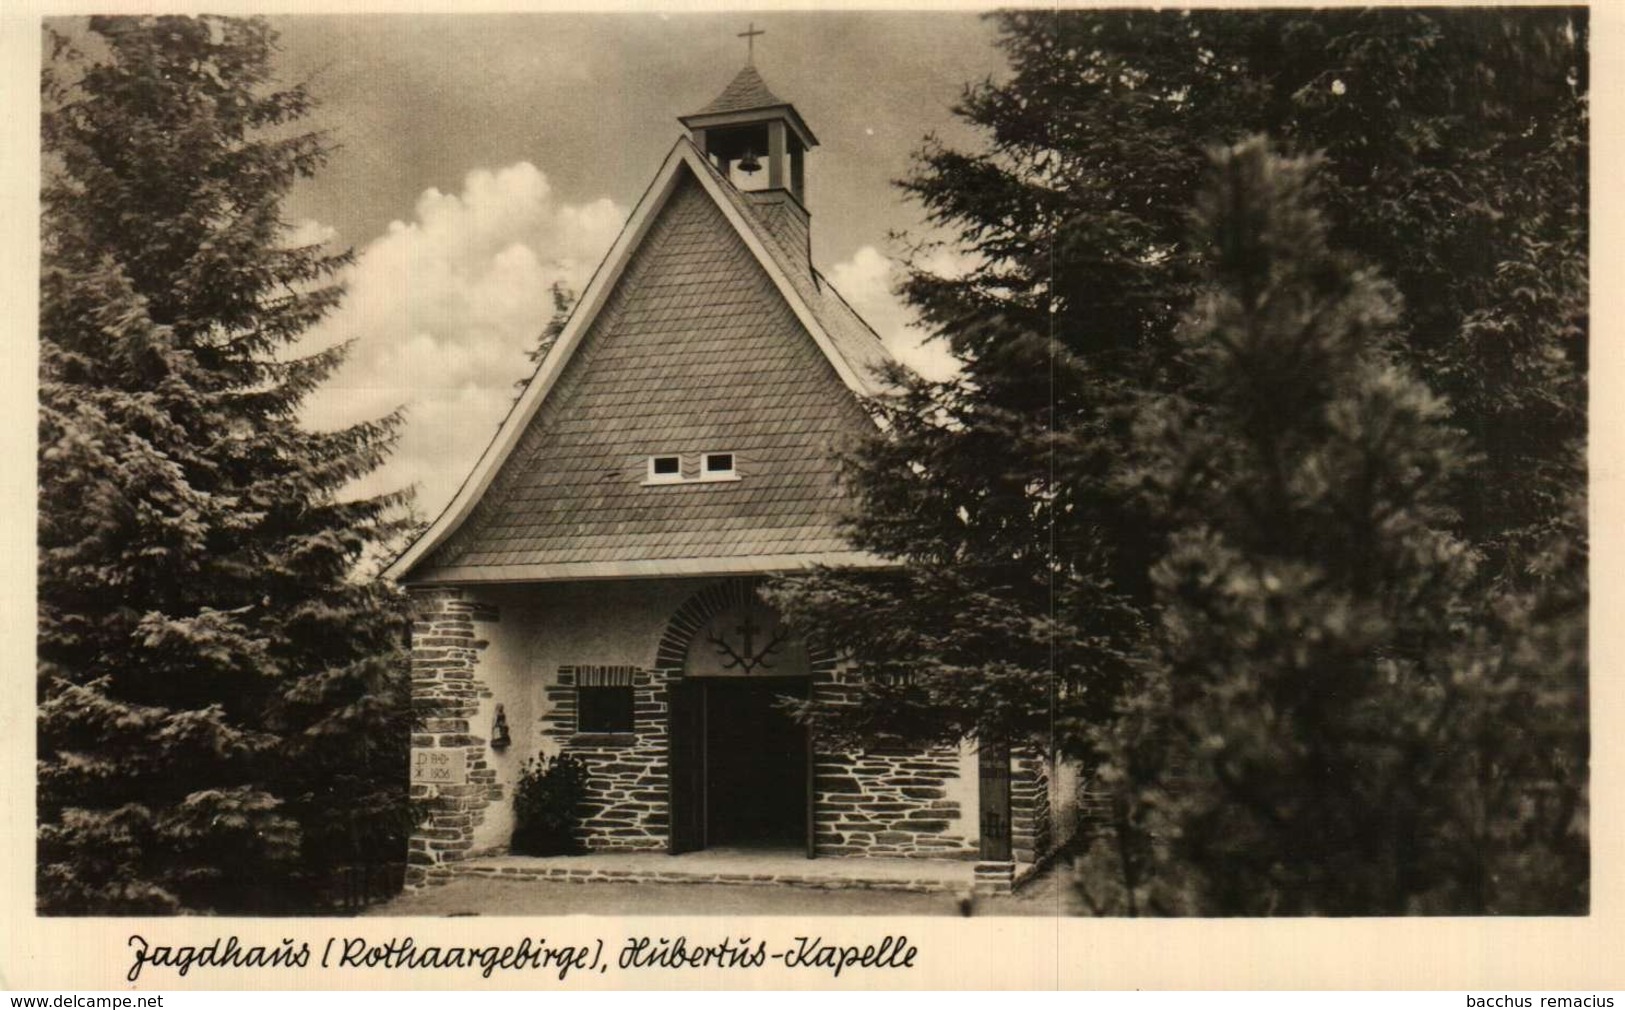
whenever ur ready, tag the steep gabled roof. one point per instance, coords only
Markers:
(543, 530)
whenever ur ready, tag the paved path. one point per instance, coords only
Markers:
(1047, 896)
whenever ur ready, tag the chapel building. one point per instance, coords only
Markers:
(592, 588)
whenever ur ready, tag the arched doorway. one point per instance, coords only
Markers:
(739, 765)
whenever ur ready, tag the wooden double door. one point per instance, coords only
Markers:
(740, 767)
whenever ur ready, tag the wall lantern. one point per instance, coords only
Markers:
(499, 731)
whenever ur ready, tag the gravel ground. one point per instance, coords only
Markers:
(1046, 896)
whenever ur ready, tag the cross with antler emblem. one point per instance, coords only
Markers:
(749, 660)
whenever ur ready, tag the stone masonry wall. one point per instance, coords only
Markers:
(874, 803)
(627, 794)
(1030, 828)
(446, 693)
(887, 803)
(883, 802)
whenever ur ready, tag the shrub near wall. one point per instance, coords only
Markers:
(547, 806)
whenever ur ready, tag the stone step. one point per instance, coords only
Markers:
(953, 879)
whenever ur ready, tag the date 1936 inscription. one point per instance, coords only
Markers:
(434, 766)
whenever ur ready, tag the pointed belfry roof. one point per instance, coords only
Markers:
(702, 330)
(746, 91)
(748, 99)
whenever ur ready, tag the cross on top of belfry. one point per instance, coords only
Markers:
(749, 35)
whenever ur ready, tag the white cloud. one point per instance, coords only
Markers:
(441, 311)
(867, 281)
(307, 232)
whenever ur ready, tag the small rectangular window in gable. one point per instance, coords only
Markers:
(718, 466)
(664, 469)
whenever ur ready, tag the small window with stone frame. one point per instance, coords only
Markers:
(604, 701)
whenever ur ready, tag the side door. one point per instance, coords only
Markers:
(993, 798)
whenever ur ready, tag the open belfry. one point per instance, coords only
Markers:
(592, 590)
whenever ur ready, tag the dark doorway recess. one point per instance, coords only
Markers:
(739, 765)
(757, 767)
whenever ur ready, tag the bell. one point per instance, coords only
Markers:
(749, 164)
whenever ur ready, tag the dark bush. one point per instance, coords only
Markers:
(546, 805)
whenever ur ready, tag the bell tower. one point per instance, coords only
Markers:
(749, 128)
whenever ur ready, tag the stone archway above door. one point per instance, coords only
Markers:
(728, 630)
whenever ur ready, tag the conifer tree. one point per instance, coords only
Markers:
(1454, 165)
(220, 701)
(563, 301)
(1004, 623)
(1455, 162)
(1336, 723)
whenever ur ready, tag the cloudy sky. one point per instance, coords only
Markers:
(483, 157)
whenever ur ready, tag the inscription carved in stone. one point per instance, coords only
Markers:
(439, 766)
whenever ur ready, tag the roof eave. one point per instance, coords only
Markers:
(588, 571)
(739, 117)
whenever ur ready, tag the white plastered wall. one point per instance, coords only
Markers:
(543, 627)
